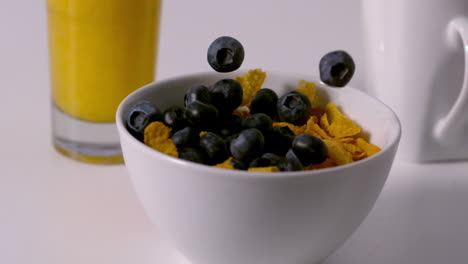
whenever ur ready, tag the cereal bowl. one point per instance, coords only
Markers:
(213, 215)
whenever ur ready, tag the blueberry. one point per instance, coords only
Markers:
(215, 147)
(248, 145)
(259, 121)
(264, 101)
(226, 95)
(336, 68)
(197, 93)
(141, 115)
(225, 54)
(274, 159)
(290, 162)
(202, 116)
(229, 125)
(174, 117)
(186, 137)
(260, 162)
(309, 149)
(240, 165)
(193, 154)
(279, 140)
(230, 138)
(294, 108)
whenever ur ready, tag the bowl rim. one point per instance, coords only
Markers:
(206, 169)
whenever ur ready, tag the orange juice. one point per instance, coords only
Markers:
(100, 51)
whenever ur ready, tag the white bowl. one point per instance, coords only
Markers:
(215, 216)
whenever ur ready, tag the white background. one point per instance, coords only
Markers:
(55, 210)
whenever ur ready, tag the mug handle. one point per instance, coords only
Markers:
(449, 129)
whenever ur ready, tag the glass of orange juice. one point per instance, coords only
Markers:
(100, 51)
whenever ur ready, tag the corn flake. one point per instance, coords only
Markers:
(317, 112)
(369, 148)
(168, 147)
(242, 111)
(226, 164)
(337, 152)
(156, 135)
(314, 129)
(155, 132)
(308, 89)
(328, 163)
(356, 151)
(348, 140)
(339, 125)
(324, 122)
(297, 130)
(312, 120)
(265, 169)
(251, 82)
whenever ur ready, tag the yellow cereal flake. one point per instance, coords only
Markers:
(242, 111)
(202, 133)
(369, 148)
(348, 140)
(337, 152)
(225, 165)
(328, 163)
(360, 156)
(265, 169)
(251, 82)
(308, 89)
(312, 120)
(314, 129)
(356, 151)
(339, 125)
(168, 147)
(297, 130)
(317, 112)
(324, 122)
(155, 132)
(156, 135)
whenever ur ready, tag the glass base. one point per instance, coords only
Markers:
(91, 142)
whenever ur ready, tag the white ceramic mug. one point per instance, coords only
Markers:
(416, 54)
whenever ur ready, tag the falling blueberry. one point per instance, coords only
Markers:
(225, 54)
(336, 68)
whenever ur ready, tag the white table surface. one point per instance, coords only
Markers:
(55, 210)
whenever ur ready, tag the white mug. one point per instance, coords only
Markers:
(416, 54)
